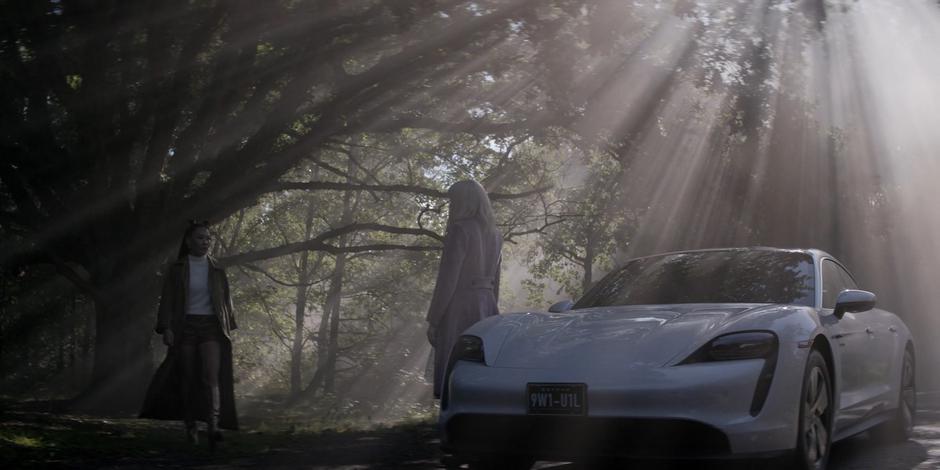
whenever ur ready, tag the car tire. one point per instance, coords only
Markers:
(814, 429)
(451, 461)
(901, 426)
(501, 462)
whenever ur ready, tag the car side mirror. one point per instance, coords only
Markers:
(561, 307)
(854, 301)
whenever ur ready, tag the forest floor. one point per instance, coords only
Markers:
(36, 435)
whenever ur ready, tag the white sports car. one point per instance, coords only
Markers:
(725, 353)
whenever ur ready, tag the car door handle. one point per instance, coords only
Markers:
(869, 331)
(893, 329)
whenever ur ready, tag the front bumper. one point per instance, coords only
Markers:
(689, 411)
(566, 437)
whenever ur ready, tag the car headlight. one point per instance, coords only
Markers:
(468, 348)
(743, 345)
(736, 346)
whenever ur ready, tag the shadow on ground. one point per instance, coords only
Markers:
(44, 435)
(41, 436)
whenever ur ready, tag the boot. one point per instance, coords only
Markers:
(192, 433)
(214, 435)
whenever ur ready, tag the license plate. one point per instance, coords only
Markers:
(556, 399)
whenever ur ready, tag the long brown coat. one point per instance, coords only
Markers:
(466, 289)
(164, 400)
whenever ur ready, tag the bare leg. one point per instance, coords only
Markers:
(211, 353)
(187, 362)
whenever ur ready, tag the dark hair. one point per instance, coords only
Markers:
(193, 225)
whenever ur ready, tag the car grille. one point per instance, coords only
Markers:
(578, 436)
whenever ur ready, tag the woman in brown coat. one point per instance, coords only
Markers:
(196, 319)
(468, 279)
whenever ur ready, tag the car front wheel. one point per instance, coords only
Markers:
(814, 437)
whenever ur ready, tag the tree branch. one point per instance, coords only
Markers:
(270, 276)
(319, 243)
(399, 188)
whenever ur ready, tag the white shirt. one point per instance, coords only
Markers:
(199, 300)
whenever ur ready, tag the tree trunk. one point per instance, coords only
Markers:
(334, 299)
(334, 302)
(3, 319)
(327, 336)
(328, 332)
(303, 279)
(589, 255)
(87, 332)
(124, 319)
(74, 373)
(323, 346)
(300, 308)
(60, 346)
(73, 331)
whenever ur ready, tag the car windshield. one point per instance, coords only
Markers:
(721, 276)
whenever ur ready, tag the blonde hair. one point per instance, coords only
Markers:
(468, 200)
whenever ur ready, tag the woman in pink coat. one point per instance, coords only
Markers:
(468, 279)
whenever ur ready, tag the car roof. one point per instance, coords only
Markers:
(815, 253)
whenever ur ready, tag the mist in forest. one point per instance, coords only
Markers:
(787, 124)
(830, 143)
(603, 131)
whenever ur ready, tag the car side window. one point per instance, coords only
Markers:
(832, 283)
(847, 278)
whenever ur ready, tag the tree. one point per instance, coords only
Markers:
(127, 118)
(124, 119)
(594, 224)
(333, 312)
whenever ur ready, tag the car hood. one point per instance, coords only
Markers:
(615, 337)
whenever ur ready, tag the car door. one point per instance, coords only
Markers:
(874, 367)
(850, 339)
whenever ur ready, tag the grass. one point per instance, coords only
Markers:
(21, 441)
(43, 439)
